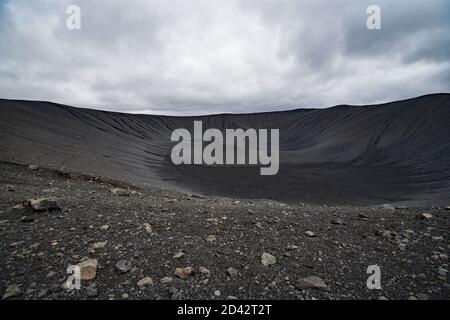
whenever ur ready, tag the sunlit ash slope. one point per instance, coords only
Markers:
(397, 152)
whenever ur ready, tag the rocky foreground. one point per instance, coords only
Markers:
(147, 243)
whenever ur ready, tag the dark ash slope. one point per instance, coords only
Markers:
(397, 152)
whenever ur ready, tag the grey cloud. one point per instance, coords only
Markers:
(213, 56)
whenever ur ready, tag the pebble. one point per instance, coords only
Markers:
(88, 269)
(387, 206)
(124, 266)
(166, 280)
(424, 216)
(119, 192)
(44, 204)
(148, 228)
(145, 281)
(204, 271)
(12, 291)
(442, 272)
(42, 293)
(311, 282)
(183, 273)
(179, 255)
(232, 272)
(99, 245)
(26, 219)
(92, 292)
(267, 259)
(310, 234)
(337, 221)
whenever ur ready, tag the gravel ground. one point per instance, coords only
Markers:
(224, 241)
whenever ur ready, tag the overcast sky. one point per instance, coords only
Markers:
(212, 56)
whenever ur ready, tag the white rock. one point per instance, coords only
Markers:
(183, 273)
(310, 233)
(267, 259)
(145, 281)
(119, 192)
(166, 280)
(179, 255)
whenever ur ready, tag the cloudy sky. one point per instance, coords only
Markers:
(212, 56)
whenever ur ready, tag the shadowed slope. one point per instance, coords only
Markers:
(395, 152)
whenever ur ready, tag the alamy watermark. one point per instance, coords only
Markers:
(374, 20)
(374, 280)
(73, 21)
(249, 147)
(74, 279)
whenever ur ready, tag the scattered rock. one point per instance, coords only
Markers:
(104, 227)
(166, 280)
(148, 228)
(442, 272)
(27, 219)
(424, 216)
(183, 273)
(422, 296)
(310, 234)
(217, 293)
(311, 282)
(337, 221)
(99, 245)
(51, 274)
(88, 269)
(20, 209)
(232, 272)
(363, 216)
(179, 255)
(211, 238)
(33, 167)
(175, 293)
(382, 298)
(204, 271)
(10, 188)
(119, 192)
(145, 282)
(44, 204)
(123, 266)
(267, 259)
(42, 293)
(291, 247)
(12, 291)
(91, 291)
(387, 206)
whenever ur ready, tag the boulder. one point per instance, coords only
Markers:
(88, 269)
